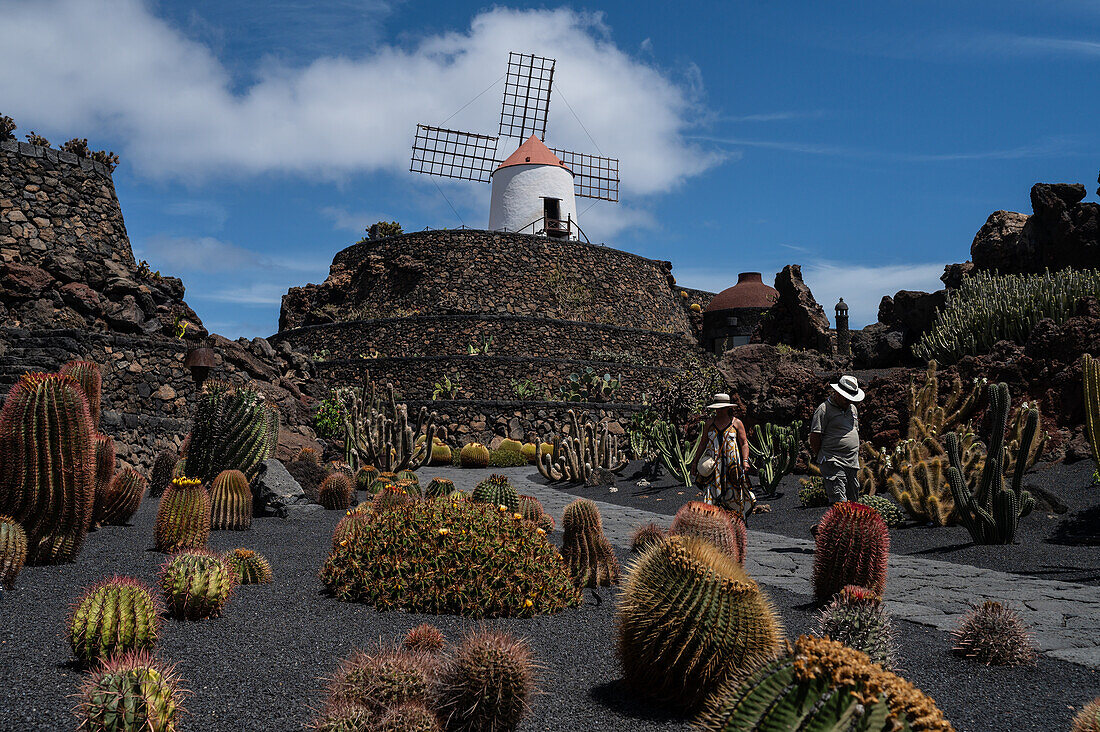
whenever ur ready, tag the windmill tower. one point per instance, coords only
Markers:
(535, 189)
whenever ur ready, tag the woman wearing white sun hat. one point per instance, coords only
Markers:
(834, 439)
(722, 464)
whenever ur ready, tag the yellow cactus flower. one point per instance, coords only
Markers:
(528, 603)
(517, 516)
(444, 531)
(502, 507)
(540, 531)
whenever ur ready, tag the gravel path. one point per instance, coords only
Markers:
(259, 667)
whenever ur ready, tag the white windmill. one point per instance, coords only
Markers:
(534, 190)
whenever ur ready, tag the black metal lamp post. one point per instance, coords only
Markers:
(199, 362)
(843, 335)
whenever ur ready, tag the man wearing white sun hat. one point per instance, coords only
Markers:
(834, 439)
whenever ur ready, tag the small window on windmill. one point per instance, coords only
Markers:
(731, 320)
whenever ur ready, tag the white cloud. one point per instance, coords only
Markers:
(255, 293)
(345, 220)
(203, 254)
(114, 68)
(861, 286)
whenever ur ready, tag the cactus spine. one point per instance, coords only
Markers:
(196, 584)
(853, 545)
(114, 616)
(585, 549)
(1088, 719)
(233, 429)
(645, 536)
(183, 517)
(131, 693)
(47, 478)
(689, 617)
(122, 497)
(724, 529)
(231, 502)
(992, 511)
(774, 452)
(994, 635)
(13, 551)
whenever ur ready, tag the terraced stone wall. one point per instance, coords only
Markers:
(483, 421)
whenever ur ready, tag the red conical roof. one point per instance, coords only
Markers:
(749, 292)
(532, 152)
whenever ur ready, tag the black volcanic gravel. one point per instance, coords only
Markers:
(259, 667)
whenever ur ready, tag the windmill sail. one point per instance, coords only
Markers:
(453, 154)
(594, 176)
(526, 95)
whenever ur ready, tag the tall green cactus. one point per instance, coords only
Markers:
(104, 448)
(233, 429)
(183, 517)
(992, 511)
(231, 502)
(47, 475)
(1090, 374)
(774, 451)
(677, 455)
(379, 432)
(114, 616)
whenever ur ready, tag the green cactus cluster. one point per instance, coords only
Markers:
(853, 546)
(857, 618)
(994, 635)
(496, 490)
(725, 529)
(574, 456)
(196, 584)
(586, 551)
(891, 515)
(820, 684)
(987, 308)
(164, 469)
(811, 492)
(774, 451)
(443, 557)
(183, 517)
(122, 497)
(230, 502)
(690, 616)
(233, 429)
(439, 488)
(336, 492)
(131, 693)
(646, 535)
(252, 568)
(991, 510)
(677, 454)
(486, 683)
(13, 551)
(47, 474)
(115, 616)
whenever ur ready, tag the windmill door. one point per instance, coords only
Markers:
(552, 223)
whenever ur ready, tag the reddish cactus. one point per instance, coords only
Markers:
(122, 498)
(336, 492)
(183, 517)
(47, 475)
(87, 374)
(644, 536)
(13, 551)
(231, 502)
(853, 545)
(160, 477)
(104, 448)
(425, 638)
(487, 682)
(723, 529)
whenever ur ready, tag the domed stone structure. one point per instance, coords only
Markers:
(732, 315)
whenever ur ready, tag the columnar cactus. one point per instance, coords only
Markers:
(252, 568)
(104, 448)
(183, 517)
(474, 455)
(774, 452)
(822, 685)
(856, 618)
(13, 551)
(87, 374)
(994, 635)
(131, 693)
(47, 475)
(689, 617)
(164, 469)
(336, 492)
(122, 498)
(439, 488)
(574, 456)
(497, 490)
(486, 684)
(992, 511)
(196, 584)
(379, 432)
(230, 502)
(724, 529)
(585, 549)
(114, 616)
(1090, 375)
(233, 429)
(646, 535)
(853, 545)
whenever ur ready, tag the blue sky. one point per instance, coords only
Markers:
(867, 142)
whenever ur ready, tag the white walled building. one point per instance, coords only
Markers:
(532, 192)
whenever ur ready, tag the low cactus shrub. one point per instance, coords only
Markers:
(645, 536)
(486, 684)
(474, 455)
(183, 517)
(381, 680)
(856, 618)
(196, 584)
(585, 549)
(723, 529)
(251, 567)
(416, 558)
(115, 616)
(122, 497)
(164, 469)
(994, 635)
(13, 551)
(502, 458)
(424, 638)
(496, 490)
(853, 545)
(365, 478)
(811, 492)
(231, 502)
(891, 515)
(689, 616)
(439, 488)
(823, 685)
(308, 453)
(1088, 719)
(131, 693)
(531, 509)
(336, 492)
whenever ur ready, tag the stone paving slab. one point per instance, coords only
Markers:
(1064, 617)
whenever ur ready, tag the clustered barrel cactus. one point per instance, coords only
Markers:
(88, 375)
(585, 549)
(439, 488)
(234, 429)
(531, 509)
(365, 478)
(131, 693)
(646, 535)
(115, 616)
(196, 584)
(486, 683)
(853, 545)
(13, 551)
(183, 517)
(724, 529)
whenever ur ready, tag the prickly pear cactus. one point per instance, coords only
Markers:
(231, 502)
(131, 693)
(114, 616)
(183, 517)
(196, 584)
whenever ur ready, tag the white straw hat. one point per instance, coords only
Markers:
(848, 388)
(720, 401)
